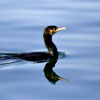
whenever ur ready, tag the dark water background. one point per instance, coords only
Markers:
(21, 29)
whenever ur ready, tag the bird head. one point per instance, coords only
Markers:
(53, 29)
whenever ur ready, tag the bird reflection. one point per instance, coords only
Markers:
(49, 73)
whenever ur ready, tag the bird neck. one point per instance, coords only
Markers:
(50, 45)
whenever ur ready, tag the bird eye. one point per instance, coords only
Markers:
(54, 28)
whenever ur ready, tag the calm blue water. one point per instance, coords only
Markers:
(21, 30)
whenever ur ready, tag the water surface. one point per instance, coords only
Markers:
(21, 30)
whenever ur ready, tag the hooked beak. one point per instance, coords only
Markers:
(59, 29)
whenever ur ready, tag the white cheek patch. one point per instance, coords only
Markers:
(50, 32)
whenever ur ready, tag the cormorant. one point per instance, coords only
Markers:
(40, 56)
